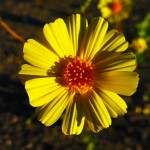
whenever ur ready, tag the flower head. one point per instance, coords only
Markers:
(115, 10)
(140, 45)
(82, 70)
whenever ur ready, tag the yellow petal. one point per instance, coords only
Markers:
(42, 90)
(38, 55)
(32, 70)
(120, 82)
(73, 121)
(114, 103)
(123, 62)
(112, 44)
(94, 127)
(76, 27)
(57, 35)
(49, 113)
(111, 111)
(95, 111)
(113, 41)
(94, 37)
(29, 72)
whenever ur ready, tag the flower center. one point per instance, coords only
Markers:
(116, 7)
(78, 75)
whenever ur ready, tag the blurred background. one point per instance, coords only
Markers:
(19, 128)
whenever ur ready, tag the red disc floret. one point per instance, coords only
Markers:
(117, 7)
(78, 75)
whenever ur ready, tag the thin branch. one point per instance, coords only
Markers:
(12, 32)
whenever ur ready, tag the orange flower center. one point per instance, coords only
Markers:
(78, 75)
(116, 7)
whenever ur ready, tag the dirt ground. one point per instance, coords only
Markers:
(19, 128)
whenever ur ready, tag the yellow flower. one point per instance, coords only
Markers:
(139, 44)
(81, 70)
(115, 10)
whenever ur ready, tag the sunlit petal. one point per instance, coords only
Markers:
(114, 103)
(94, 37)
(113, 41)
(76, 26)
(113, 44)
(73, 121)
(49, 113)
(42, 90)
(38, 55)
(32, 70)
(95, 111)
(120, 82)
(123, 62)
(57, 35)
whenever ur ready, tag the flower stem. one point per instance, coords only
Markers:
(11, 31)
